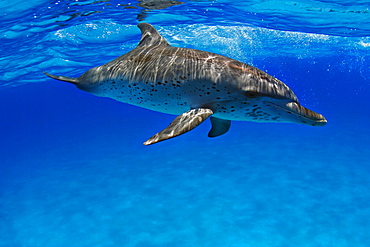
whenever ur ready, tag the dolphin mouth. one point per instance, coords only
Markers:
(313, 118)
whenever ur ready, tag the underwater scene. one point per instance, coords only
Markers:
(73, 168)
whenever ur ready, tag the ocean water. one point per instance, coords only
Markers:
(74, 172)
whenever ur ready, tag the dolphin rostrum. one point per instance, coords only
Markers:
(195, 85)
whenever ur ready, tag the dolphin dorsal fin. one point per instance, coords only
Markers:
(150, 36)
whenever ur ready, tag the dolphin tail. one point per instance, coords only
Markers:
(63, 78)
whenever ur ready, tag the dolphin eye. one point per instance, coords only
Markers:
(250, 94)
(253, 94)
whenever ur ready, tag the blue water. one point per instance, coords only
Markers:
(74, 172)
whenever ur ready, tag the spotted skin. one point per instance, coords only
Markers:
(176, 80)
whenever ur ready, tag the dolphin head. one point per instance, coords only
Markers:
(276, 99)
(280, 107)
(293, 112)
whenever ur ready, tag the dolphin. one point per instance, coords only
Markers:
(194, 85)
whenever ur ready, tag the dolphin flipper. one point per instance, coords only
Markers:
(219, 127)
(182, 124)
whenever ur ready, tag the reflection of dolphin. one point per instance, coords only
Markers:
(195, 84)
(157, 4)
(149, 5)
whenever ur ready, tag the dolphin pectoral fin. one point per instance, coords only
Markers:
(182, 124)
(219, 127)
(63, 78)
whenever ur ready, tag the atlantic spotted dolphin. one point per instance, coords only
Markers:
(195, 85)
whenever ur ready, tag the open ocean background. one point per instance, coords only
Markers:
(74, 172)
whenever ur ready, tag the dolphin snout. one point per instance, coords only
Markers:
(313, 118)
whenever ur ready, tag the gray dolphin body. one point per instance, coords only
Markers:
(195, 85)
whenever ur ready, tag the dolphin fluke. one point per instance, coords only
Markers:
(182, 124)
(63, 78)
